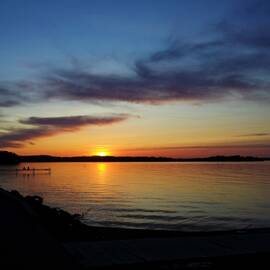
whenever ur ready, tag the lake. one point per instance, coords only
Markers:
(173, 196)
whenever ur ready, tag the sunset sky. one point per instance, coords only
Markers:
(164, 78)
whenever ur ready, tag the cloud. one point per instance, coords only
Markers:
(73, 122)
(8, 98)
(248, 145)
(262, 134)
(149, 86)
(38, 127)
(232, 62)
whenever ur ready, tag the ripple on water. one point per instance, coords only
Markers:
(172, 196)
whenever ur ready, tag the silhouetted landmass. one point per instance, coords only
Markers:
(45, 158)
(225, 158)
(11, 158)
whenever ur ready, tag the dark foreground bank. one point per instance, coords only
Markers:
(114, 248)
(69, 227)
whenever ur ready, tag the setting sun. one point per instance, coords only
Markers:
(102, 153)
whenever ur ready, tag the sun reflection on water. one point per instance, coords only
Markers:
(102, 169)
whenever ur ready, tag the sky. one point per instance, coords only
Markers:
(158, 78)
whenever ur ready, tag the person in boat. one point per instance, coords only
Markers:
(28, 168)
(24, 169)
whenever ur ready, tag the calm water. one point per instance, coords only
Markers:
(176, 196)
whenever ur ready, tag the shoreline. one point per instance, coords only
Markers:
(74, 245)
(70, 227)
(13, 159)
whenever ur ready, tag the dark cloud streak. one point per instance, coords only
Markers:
(218, 146)
(9, 98)
(262, 134)
(49, 126)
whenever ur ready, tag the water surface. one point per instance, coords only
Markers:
(174, 196)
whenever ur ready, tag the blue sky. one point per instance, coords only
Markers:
(135, 68)
(54, 32)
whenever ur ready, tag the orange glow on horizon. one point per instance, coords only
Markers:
(181, 153)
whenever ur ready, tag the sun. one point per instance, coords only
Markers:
(102, 154)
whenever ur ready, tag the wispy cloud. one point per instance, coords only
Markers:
(262, 134)
(217, 146)
(38, 127)
(9, 98)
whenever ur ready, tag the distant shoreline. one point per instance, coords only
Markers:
(12, 158)
(138, 159)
